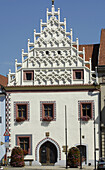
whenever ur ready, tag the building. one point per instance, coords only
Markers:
(3, 82)
(101, 75)
(54, 75)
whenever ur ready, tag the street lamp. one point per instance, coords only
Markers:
(80, 145)
(94, 144)
(66, 134)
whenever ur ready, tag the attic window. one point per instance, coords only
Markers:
(59, 52)
(28, 75)
(78, 74)
(47, 52)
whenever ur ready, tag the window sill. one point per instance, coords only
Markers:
(85, 118)
(25, 152)
(20, 119)
(47, 119)
(78, 79)
(28, 80)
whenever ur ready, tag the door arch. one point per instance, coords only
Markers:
(37, 149)
(48, 154)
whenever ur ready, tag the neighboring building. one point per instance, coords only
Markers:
(53, 74)
(3, 82)
(101, 74)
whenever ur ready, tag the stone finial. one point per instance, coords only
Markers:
(52, 2)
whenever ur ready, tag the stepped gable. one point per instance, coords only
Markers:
(53, 57)
(3, 80)
(102, 49)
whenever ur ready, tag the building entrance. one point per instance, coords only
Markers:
(48, 153)
(84, 155)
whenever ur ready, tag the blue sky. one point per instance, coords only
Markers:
(19, 18)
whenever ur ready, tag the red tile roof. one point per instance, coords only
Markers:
(3, 80)
(91, 51)
(102, 48)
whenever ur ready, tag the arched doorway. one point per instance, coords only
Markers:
(48, 154)
(84, 154)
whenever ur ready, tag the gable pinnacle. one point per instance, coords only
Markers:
(52, 2)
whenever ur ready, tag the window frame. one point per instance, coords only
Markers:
(16, 111)
(80, 110)
(30, 72)
(77, 71)
(30, 142)
(43, 111)
(42, 114)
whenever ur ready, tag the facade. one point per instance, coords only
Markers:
(54, 73)
(101, 73)
(3, 81)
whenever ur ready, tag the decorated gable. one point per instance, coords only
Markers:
(53, 58)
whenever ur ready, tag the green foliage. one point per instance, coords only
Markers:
(73, 157)
(17, 157)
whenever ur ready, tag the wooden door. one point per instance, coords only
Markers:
(83, 149)
(48, 154)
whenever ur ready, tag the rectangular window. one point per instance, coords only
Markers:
(48, 112)
(25, 142)
(86, 111)
(78, 74)
(0, 119)
(28, 75)
(21, 112)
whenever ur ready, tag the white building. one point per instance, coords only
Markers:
(3, 81)
(53, 73)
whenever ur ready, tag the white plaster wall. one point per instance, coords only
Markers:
(56, 128)
(2, 125)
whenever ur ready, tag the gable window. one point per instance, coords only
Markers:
(47, 52)
(86, 110)
(78, 74)
(48, 110)
(0, 119)
(21, 112)
(59, 52)
(28, 75)
(25, 143)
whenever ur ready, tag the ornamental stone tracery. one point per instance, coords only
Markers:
(43, 55)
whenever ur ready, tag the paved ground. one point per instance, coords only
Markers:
(46, 167)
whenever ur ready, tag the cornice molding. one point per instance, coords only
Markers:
(53, 88)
